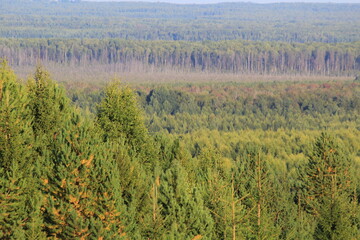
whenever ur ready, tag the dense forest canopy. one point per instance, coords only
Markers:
(288, 22)
(263, 161)
(242, 120)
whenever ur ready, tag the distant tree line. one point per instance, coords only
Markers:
(224, 56)
(288, 22)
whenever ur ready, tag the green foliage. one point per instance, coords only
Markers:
(120, 117)
(290, 22)
(183, 210)
(123, 129)
(328, 192)
(255, 186)
(20, 212)
(48, 103)
(83, 196)
(20, 216)
(235, 162)
(16, 134)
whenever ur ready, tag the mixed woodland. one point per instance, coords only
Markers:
(190, 162)
(195, 159)
(238, 57)
(287, 22)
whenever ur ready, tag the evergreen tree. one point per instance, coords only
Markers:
(327, 188)
(121, 123)
(183, 209)
(253, 180)
(119, 116)
(16, 137)
(19, 196)
(154, 227)
(83, 196)
(48, 104)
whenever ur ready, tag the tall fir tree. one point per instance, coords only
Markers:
(253, 180)
(19, 197)
(48, 103)
(121, 123)
(83, 198)
(80, 189)
(119, 116)
(328, 195)
(183, 209)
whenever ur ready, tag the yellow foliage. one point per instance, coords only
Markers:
(56, 212)
(45, 181)
(157, 181)
(197, 237)
(85, 236)
(87, 162)
(63, 183)
(75, 172)
(83, 194)
(227, 163)
(73, 200)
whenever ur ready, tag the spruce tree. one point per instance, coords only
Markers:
(16, 136)
(83, 199)
(255, 184)
(327, 191)
(122, 126)
(19, 196)
(48, 104)
(76, 174)
(183, 209)
(119, 116)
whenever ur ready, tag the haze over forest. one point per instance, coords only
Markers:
(158, 121)
(219, 1)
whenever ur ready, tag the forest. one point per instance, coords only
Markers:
(236, 57)
(222, 161)
(128, 120)
(286, 22)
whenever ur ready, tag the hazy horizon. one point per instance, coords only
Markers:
(220, 1)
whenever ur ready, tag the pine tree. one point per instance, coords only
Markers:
(48, 104)
(119, 116)
(83, 198)
(121, 123)
(19, 201)
(327, 190)
(183, 209)
(153, 221)
(221, 196)
(75, 172)
(253, 180)
(16, 136)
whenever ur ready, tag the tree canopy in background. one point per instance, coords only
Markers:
(287, 22)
